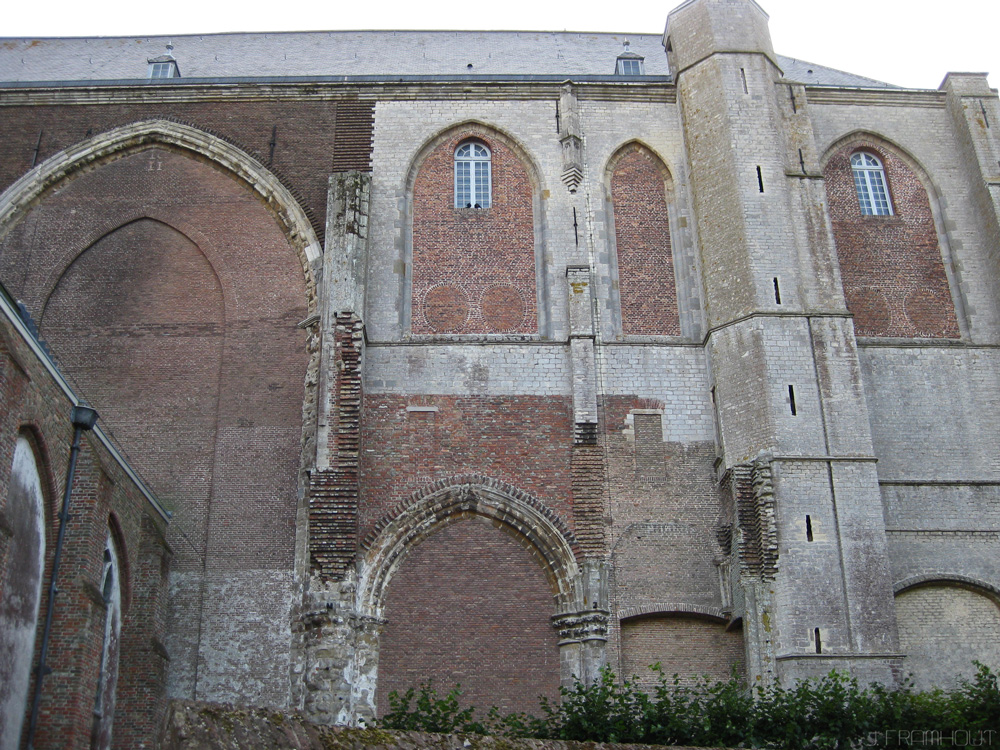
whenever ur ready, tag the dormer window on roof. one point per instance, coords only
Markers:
(164, 66)
(629, 63)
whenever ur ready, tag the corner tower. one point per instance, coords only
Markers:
(809, 565)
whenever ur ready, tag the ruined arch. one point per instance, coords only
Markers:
(18, 199)
(461, 578)
(639, 189)
(518, 514)
(468, 270)
(897, 270)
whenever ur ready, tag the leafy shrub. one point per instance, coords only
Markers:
(830, 713)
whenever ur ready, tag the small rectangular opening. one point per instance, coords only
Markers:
(819, 642)
(809, 529)
(760, 180)
(791, 399)
(743, 75)
(777, 292)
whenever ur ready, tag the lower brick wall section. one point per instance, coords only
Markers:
(686, 646)
(471, 606)
(943, 628)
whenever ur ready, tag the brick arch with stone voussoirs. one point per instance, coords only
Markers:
(169, 271)
(474, 271)
(467, 576)
(895, 269)
(639, 188)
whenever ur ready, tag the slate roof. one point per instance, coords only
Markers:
(396, 54)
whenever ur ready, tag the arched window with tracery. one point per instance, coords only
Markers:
(473, 176)
(869, 182)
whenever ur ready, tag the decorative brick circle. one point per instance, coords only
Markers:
(446, 309)
(871, 311)
(503, 308)
(927, 311)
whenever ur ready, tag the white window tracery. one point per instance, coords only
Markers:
(473, 176)
(870, 184)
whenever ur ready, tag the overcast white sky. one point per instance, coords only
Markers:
(910, 43)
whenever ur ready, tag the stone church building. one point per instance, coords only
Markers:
(492, 358)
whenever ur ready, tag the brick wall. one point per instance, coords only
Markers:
(473, 269)
(642, 237)
(686, 646)
(664, 520)
(525, 441)
(943, 628)
(334, 134)
(170, 295)
(104, 498)
(894, 277)
(471, 606)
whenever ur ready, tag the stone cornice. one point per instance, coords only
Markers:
(92, 93)
(876, 97)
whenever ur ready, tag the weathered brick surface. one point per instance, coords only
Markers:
(462, 604)
(686, 646)
(642, 238)
(172, 297)
(473, 269)
(943, 629)
(891, 266)
(333, 134)
(524, 441)
(334, 494)
(104, 499)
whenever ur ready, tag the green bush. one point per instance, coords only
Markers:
(831, 713)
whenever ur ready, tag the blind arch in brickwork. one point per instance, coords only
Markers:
(639, 189)
(516, 513)
(945, 623)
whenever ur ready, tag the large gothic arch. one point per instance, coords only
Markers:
(192, 282)
(18, 199)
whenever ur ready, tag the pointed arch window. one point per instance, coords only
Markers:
(473, 176)
(869, 182)
(107, 678)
